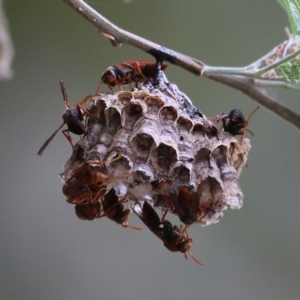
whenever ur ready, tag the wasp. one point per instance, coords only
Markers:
(235, 123)
(72, 117)
(86, 182)
(110, 207)
(130, 71)
(175, 239)
(185, 203)
(88, 211)
(113, 209)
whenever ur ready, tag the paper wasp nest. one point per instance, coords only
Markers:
(162, 145)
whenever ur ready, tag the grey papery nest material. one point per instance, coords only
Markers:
(168, 153)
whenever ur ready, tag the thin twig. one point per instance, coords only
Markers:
(246, 85)
(278, 63)
(245, 71)
(277, 83)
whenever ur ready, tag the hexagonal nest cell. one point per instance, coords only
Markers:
(152, 144)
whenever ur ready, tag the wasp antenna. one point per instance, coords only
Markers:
(195, 259)
(64, 93)
(99, 86)
(249, 131)
(49, 140)
(84, 101)
(247, 122)
(131, 227)
(251, 114)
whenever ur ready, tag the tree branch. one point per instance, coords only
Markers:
(120, 36)
(243, 83)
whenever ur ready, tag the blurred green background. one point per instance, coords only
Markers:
(47, 253)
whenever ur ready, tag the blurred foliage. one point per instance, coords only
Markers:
(292, 7)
